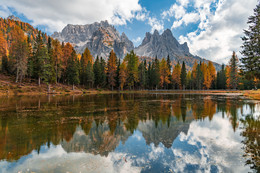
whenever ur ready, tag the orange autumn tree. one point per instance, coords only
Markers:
(111, 69)
(57, 56)
(176, 75)
(228, 76)
(18, 53)
(66, 51)
(207, 79)
(3, 49)
(164, 73)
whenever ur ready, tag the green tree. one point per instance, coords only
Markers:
(183, 75)
(122, 75)
(73, 70)
(97, 72)
(103, 78)
(90, 78)
(221, 78)
(251, 46)
(86, 58)
(233, 63)
(142, 75)
(199, 77)
(155, 73)
(132, 69)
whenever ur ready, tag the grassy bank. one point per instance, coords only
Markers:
(9, 87)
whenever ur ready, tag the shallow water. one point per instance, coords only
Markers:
(129, 133)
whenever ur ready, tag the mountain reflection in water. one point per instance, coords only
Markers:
(129, 133)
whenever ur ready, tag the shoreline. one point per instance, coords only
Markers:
(252, 94)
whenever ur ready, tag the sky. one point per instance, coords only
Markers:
(212, 28)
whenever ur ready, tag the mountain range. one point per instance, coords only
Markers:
(101, 37)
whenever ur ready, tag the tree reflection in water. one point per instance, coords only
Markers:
(98, 123)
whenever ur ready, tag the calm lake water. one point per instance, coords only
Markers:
(129, 133)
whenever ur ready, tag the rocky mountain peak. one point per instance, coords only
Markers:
(99, 37)
(12, 17)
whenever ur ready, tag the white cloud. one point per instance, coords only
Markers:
(219, 32)
(175, 10)
(137, 40)
(4, 11)
(57, 14)
(155, 24)
(186, 19)
(183, 3)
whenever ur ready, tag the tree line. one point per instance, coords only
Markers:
(41, 58)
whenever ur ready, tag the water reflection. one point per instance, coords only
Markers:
(130, 132)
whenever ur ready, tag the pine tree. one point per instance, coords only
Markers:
(117, 73)
(90, 78)
(111, 69)
(155, 73)
(66, 54)
(149, 77)
(97, 72)
(86, 59)
(52, 61)
(132, 69)
(233, 63)
(194, 75)
(221, 78)
(30, 64)
(103, 78)
(183, 75)
(72, 71)
(122, 75)
(142, 75)
(251, 46)
(199, 77)
(170, 70)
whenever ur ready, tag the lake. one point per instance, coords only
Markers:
(129, 133)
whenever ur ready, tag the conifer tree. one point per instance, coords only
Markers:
(251, 52)
(30, 63)
(73, 70)
(132, 69)
(90, 78)
(183, 75)
(97, 72)
(233, 75)
(122, 75)
(142, 75)
(199, 76)
(86, 59)
(221, 78)
(155, 73)
(103, 78)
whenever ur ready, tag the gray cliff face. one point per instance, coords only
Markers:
(99, 38)
(161, 46)
(166, 44)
